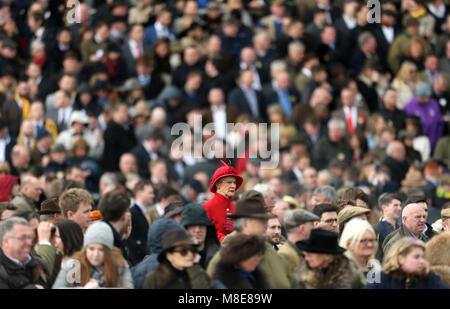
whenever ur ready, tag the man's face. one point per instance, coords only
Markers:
(137, 34)
(348, 97)
(128, 164)
(283, 80)
(310, 177)
(431, 63)
(198, 232)
(82, 216)
(328, 221)
(393, 210)
(78, 176)
(280, 209)
(335, 134)
(33, 190)
(18, 242)
(146, 196)
(273, 232)
(317, 199)
(190, 56)
(255, 227)
(390, 99)
(415, 222)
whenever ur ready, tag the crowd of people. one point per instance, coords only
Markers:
(96, 190)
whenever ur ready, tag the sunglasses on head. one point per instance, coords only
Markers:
(185, 251)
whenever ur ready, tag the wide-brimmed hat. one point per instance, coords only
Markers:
(241, 247)
(251, 207)
(175, 238)
(350, 212)
(321, 241)
(225, 171)
(173, 209)
(50, 206)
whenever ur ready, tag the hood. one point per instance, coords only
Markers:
(157, 230)
(194, 214)
(170, 92)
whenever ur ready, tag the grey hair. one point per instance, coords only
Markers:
(262, 188)
(295, 44)
(328, 192)
(237, 223)
(109, 179)
(327, 173)
(337, 123)
(364, 37)
(8, 225)
(278, 65)
(260, 34)
(46, 217)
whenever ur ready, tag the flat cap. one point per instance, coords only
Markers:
(293, 218)
(350, 212)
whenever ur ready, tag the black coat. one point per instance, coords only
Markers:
(383, 45)
(345, 39)
(398, 169)
(118, 140)
(13, 276)
(396, 119)
(238, 99)
(136, 244)
(142, 158)
(271, 96)
(230, 277)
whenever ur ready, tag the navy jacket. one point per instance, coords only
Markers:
(136, 244)
(433, 281)
(383, 229)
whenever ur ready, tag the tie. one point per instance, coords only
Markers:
(350, 122)
(139, 51)
(285, 102)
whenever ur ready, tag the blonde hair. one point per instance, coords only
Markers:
(354, 231)
(402, 248)
(403, 74)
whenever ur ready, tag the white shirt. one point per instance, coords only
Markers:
(134, 48)
(307, 72)
(388, 33)
(354, 112)
(64, 115)
(298, 174)
(153, 155)
(159, 210)
(351, 23)
(161, 31)
(220, 120)
(142, 208)
(3, 143)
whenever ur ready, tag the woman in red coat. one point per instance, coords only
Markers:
(224, 184)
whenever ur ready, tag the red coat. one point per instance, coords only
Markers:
(217, 209)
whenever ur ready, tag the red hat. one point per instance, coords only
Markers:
(224, 171)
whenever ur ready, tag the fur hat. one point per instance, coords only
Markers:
(50, 206)
(241, 247)
(438, 250)
(99, 233)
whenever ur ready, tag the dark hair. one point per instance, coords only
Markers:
(113, 205)
(416, 199)
(387, 198)
(164, 192)
(321, 208)
(354, 194)
(71, 236)
(156, 135)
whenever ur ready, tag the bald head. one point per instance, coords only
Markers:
(158, 117)
(31, 188)
(414, 218)
(396, 150)
(20, 156)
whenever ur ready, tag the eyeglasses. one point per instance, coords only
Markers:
(366, 241)
(23, 238)
(330, 221)
(185, 251)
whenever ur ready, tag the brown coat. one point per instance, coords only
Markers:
(341, 274)
(437, 253)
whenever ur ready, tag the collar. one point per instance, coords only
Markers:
(142, 208)
(159, 26)
(351, 23)
(17, 262)
(159, 210)
(223, 198)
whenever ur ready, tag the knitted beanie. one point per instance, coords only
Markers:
(99, 233)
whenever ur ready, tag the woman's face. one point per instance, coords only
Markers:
(250, 263)
(57, 242)
(366, 246)
(413, 262)
(318, 260)
(182, 257)
(227, 186)
(95, 254)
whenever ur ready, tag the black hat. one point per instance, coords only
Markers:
(388, 12)
(196, 186)
(321, 241)
(9, 43)
(174, 238)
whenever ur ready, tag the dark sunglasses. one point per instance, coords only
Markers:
(185, 251)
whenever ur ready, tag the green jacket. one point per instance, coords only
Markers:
(291, 256)
(23, 203)
(398, 234)
(273, 264)
(442, 150)
(51, 257)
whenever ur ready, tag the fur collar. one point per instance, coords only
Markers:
(341, 274)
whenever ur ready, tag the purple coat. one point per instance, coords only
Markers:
(430, 116)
